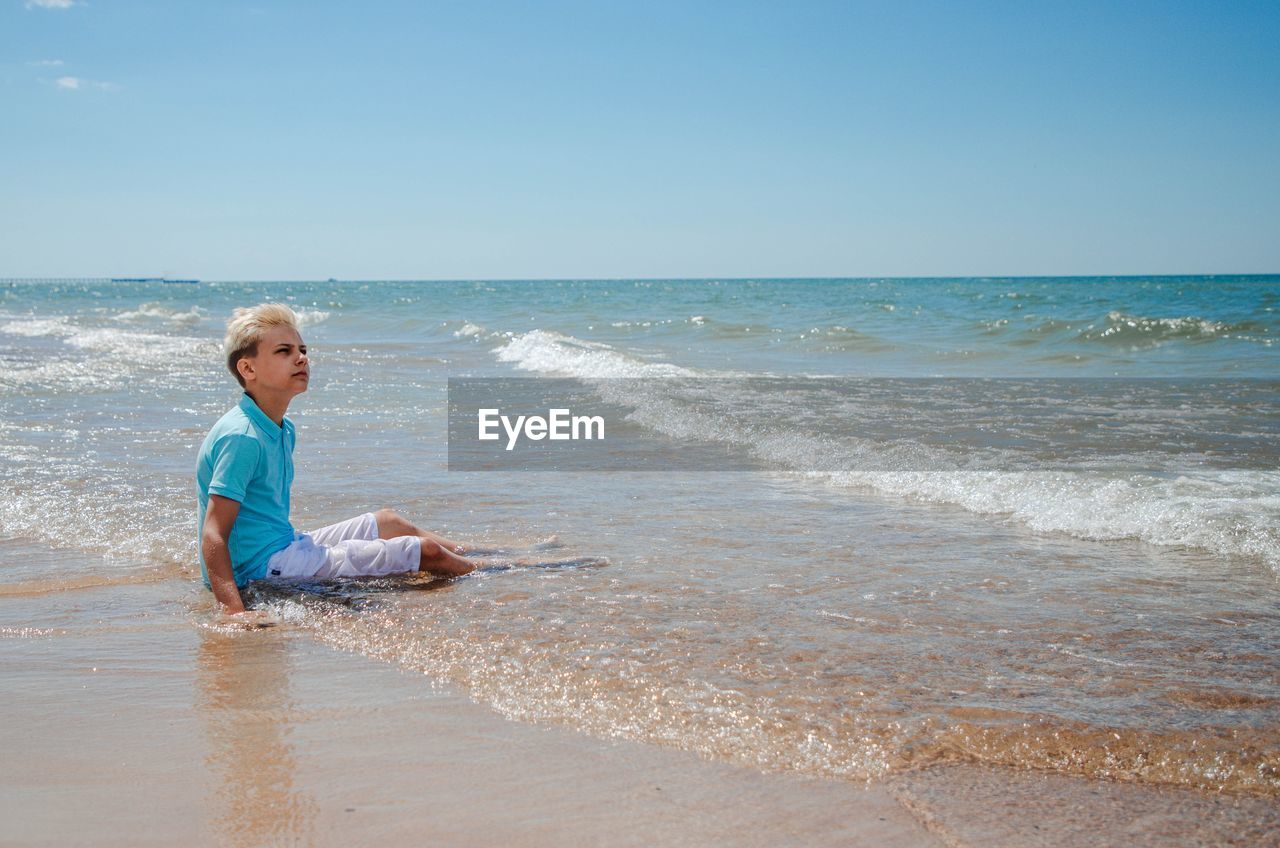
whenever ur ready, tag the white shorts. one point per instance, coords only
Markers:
(349, 548)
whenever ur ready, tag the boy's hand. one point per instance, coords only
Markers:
(253, 619)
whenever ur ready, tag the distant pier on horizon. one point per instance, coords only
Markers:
(94, 280)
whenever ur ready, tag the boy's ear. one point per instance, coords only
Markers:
(245, 367)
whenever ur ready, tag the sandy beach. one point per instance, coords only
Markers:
(132, 719)
(128, 723)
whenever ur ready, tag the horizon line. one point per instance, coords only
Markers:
(175, 280)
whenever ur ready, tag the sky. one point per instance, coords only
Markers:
(698, 138)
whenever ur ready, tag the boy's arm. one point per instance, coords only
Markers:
(219, 517)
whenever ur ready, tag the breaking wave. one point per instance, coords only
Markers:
(1227, 512)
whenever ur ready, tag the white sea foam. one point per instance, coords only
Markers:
(308, 316)
(1229, 512)
(95, 510)
(33, 327)
(113, 354)
(1217, 513)
(550, 352)
(159, 312)
(148, 347)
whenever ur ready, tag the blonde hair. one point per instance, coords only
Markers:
(245, 330)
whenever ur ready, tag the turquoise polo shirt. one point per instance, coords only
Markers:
(248, 459)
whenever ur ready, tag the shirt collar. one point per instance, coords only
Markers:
(250, 408)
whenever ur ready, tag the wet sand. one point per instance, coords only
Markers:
(125, 724)
(126, 721)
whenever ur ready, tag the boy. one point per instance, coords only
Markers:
(245, 469)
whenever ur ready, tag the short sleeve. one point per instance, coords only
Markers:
(235, 458)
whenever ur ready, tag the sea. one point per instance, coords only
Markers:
(1028, 522)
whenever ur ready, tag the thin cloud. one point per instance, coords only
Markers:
(50, 4)
(47, 63)
(81, 84)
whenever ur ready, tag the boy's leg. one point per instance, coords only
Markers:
(391, 525)
(372, 544)
(440, 556)
(367, 558)
(440, 562)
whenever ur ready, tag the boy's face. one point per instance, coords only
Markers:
(280, 366)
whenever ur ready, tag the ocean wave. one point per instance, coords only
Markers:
(840, 338)
(145, 347)
(733, 330)
(158, 311)
(1227, 512)
(104, 339)
(1121, 331)
(549, 352)
(657, 322)
(308, 316)
(1138, 331)
(96, 511)
(117, 354)
(34, 327)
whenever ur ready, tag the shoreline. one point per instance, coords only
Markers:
(128, 725)
(128, 716)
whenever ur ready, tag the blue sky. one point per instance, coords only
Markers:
(648, 139)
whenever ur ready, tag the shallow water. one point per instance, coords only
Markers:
(1035, 524)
